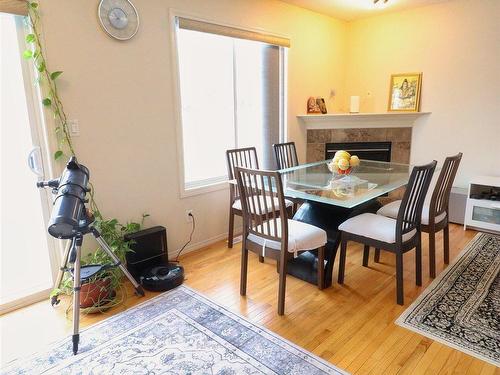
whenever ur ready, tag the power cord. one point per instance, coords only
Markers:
(189, 241)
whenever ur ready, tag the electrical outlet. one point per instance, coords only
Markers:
(189, 218)
(74, 127)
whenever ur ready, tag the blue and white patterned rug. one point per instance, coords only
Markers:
(178, 332)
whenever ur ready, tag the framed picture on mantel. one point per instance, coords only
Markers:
(404, 92)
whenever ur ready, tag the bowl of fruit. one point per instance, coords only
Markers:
(343, 163)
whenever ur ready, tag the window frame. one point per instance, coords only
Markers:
(184, 191)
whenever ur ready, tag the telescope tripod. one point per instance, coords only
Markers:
(73, 256)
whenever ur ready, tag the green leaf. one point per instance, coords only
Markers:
(28, 54)
(58, 154)
(55, 292)
(46, 102)
(54, 75)
(41, 67)
(30, 38)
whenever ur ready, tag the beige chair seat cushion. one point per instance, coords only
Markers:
(391, 210)
(301, 236)
(373, 226)
(288, 203)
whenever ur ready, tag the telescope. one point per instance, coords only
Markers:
(69, 203)
(70, 220)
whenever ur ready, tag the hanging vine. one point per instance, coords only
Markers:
(49, 79)
(111, 230)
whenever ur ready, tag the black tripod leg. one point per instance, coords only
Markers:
(138, 288)
(76, 339)
(76, 292)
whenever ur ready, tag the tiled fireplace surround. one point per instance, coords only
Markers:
(399, 137)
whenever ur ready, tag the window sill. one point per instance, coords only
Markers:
(221, 185)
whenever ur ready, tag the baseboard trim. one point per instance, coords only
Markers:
(201, 244)
(25, 301)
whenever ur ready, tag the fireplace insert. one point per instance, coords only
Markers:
(379, 151)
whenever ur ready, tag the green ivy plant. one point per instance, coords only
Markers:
(49, 78)
(111, 230)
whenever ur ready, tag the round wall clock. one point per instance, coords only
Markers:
(118, 18)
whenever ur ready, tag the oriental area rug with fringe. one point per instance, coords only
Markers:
(461, 308)
(177, 332)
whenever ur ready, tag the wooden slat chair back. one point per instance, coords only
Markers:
(438, 208)
(441, 194)
(256, 188)
(240, 157)
(286, 155)
(410, 211)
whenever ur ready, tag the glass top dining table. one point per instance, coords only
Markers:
(330, 198)
(369, 180)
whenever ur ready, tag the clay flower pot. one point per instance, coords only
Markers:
(95, 292)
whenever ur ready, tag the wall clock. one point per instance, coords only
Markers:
(118, 18)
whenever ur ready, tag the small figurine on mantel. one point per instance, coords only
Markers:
(322, 105)
(316, 105)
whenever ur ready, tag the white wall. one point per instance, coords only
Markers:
(122, 95)
(456, 44)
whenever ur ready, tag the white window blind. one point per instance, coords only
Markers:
(232, 32)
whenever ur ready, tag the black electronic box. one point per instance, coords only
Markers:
(148, 262)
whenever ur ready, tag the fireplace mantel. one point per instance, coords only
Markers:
(361, 120)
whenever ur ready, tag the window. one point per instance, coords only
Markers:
(230, 96)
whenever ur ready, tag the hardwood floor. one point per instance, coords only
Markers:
(351, 326)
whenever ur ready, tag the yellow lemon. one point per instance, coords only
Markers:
(333, 167)
(343, 164)
(354, 161)
(342, 154)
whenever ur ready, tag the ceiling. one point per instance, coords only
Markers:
(353, 9)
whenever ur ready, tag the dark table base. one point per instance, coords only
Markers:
(327, 217)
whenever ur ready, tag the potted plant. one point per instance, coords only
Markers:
(105, 289)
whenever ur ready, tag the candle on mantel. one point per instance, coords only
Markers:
(354, 104)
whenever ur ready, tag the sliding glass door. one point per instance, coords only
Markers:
(26, 253)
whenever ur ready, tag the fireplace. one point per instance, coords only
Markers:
(380, 151)
(320, 140)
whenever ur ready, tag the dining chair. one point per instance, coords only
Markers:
(286, 157)
(398, 235)
(273, 234)
(247, 158)
(435, 212)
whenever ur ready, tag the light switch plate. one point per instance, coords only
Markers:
(74, 127)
